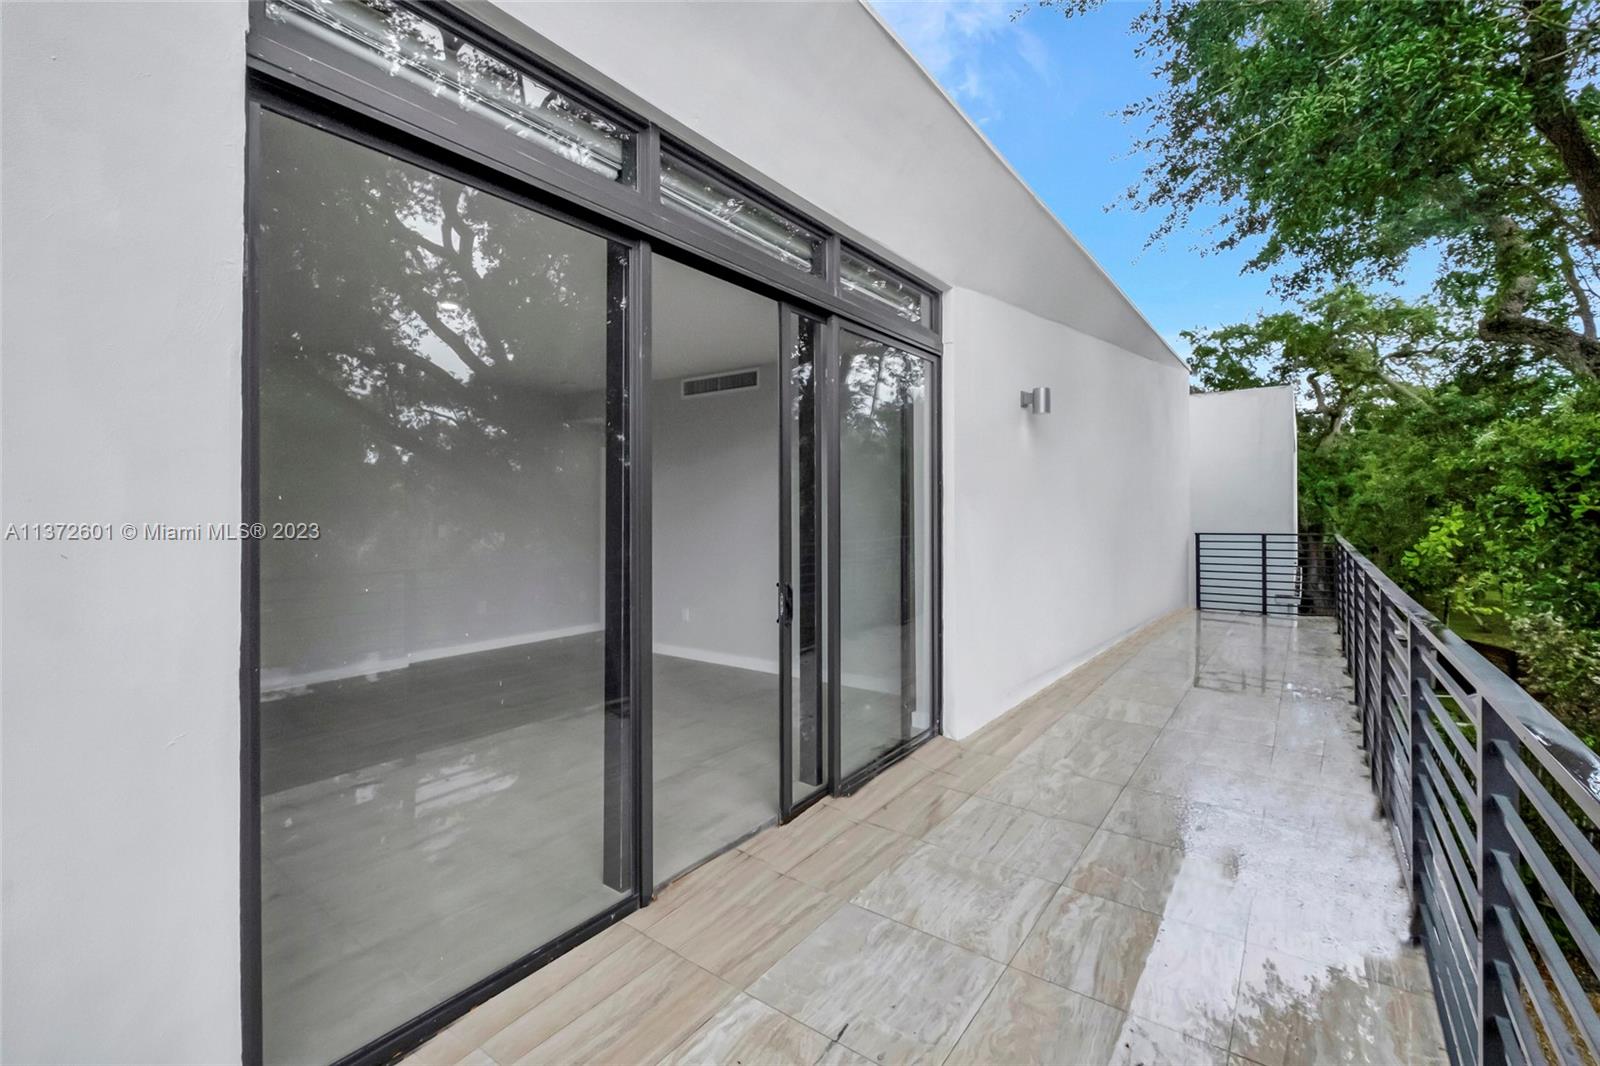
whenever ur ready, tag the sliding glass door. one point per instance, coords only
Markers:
(444, 767)
(803, 610)
(481, 732)
(885, 562)
(715, 459)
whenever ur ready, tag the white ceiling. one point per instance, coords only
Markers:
(705, 325)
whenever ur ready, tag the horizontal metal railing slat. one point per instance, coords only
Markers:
(1451, 992)
(1434, 784)
(1441, 715)
(1464, 700)
(1468, 860)
(1465, 885)
(1467, 790)
(1459, 928)
(1477, 777)
(1521, 1035)
(1579, 926)
(1581, 851)
(1555, 963)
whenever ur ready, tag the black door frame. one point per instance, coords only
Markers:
(801, 589)
(308, 91)
(627, 689)
(846, 783)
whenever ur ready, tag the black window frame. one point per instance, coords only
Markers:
(285, 52)
(929, 309)
(285, 73)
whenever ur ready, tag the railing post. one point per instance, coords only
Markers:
(1358, 626)
(1197, 572)
(1263, 573)
(1416, 677)
(1342, 597)
(1369, 664)
(1381, 772)
(1494, 838)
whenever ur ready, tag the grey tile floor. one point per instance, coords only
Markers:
(420, 831)
(1172, 855)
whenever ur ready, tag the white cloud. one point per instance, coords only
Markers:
(1031, 47)
(968, 44)
(939, 32)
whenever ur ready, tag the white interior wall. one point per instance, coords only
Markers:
(320, 626)
(1065, 531)
(122, 208)
(714, 505)
(1244, 458)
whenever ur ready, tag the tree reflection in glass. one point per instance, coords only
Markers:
(432, 395)
(884, 550)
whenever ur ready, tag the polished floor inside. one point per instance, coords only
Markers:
(1172, 855)
(421, 822)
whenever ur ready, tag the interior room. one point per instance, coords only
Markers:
(715, 503)
(438, 794)
(442, 790)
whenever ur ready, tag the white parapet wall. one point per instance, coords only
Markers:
(1243, 461)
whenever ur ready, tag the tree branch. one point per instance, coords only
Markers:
(1545, 73)
(1577, 353)
(1506, 320)
(1580, 295)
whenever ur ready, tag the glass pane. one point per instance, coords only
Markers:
(714, 457)
(442, 786)
(407, 45)
(881, 286)
(807, 724)
(694, 192)
(885, 556)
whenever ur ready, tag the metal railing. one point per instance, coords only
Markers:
(1264, 573)
(1494, 807)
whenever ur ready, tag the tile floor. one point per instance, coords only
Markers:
(1171, 855)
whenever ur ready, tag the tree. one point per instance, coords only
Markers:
(1340, 137)
(1350, 348)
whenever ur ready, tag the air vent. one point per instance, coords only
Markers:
(718, 383)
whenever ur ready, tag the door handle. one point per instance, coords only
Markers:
(785, 604)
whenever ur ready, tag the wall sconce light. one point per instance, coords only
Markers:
(1037, 400)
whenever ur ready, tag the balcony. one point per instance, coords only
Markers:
(1174, 854)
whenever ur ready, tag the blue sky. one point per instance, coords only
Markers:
(1047, 90)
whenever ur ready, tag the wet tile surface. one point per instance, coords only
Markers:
(1172, 855)
(884, 990)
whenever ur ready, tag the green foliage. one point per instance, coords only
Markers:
(1564, 665)
(1339, 137)
(1486, 506)
(1348, 349)
(1473, 481)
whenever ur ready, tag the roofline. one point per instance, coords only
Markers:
(1235, 392)
(1038, 202)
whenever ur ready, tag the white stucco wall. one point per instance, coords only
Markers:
(1244, 462)
(1064, 531)
(846, 120)
(121, 202)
